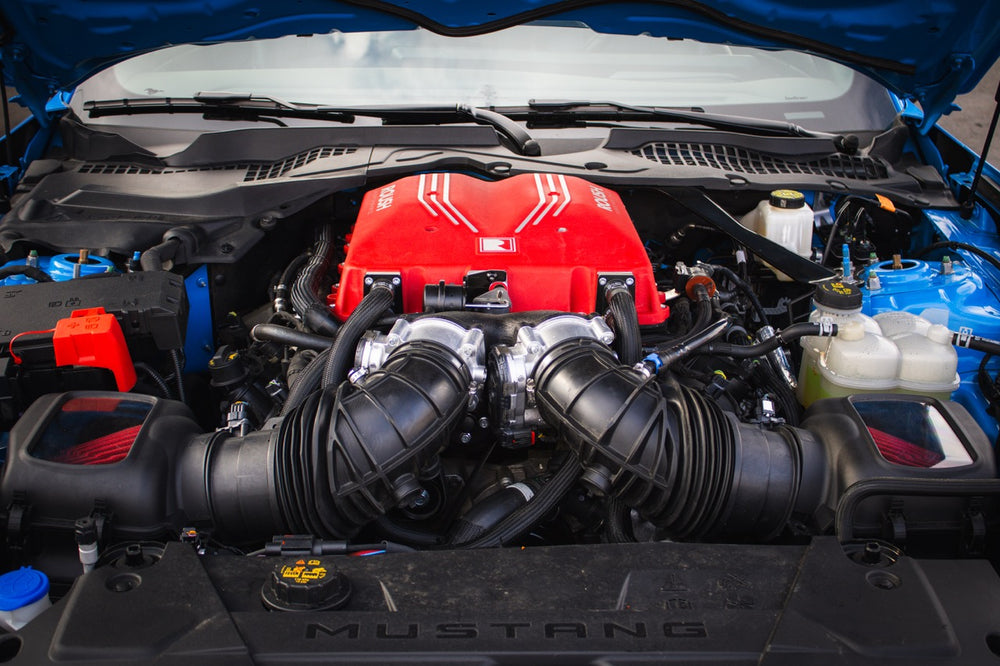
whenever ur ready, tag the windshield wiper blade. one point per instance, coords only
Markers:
(215, 106)
(608, 110)
(223, 105)
(430, 113)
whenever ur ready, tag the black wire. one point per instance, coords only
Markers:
(157, 378)
(175, 357)
(955, 245)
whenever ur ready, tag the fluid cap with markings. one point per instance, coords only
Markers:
(306, 584)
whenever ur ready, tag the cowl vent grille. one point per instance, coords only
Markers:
(741, 160)
(253, 171)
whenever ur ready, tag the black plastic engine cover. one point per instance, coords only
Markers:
(618, 604)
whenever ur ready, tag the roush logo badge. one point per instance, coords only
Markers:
(489, 244)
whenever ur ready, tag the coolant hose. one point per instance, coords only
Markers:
(290, 337)
(669, 452)
(689, 344)
(305, 299)
(779, 339)
(628, 339)
(368, 312)
(345, 457)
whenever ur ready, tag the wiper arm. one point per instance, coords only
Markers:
(391, 114)
(223, 105)
(215, 106)
(607, 110)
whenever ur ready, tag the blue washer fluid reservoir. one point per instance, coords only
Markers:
(956, 298)
(24, 594)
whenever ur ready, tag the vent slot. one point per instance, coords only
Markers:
(741, 160)
(253, 171)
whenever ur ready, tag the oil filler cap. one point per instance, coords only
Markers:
(306, 584)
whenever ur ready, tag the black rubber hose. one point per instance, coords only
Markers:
(746, 289)
(690, 343)
(702, 315)
(153, 258)
(628, 339)
(290, 337)
(955, 245)
(976, 343)
(307, 381)
(368, 312)
(305, 298)
(782, 337)
(282, 290)
(33, 272)
(517, 524)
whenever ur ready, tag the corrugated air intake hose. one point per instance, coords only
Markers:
(669, 452)
(342, 459)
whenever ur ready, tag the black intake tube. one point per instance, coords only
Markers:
(343, 458)
(669, 452)
(628, 339)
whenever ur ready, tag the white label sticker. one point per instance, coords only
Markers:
(490, 244)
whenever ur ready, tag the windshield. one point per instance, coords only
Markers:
(507, 69)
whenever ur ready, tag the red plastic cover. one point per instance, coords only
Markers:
(93, 338)
(552, 234)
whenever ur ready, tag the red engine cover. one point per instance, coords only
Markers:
(552, 234)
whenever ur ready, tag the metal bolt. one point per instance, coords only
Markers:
(396, 281)
(202, 282)
(421, 499)
(630, 281)
(602, 281)
(484, 422)
(369, 281)
(465, 437)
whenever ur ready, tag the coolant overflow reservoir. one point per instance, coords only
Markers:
(786, 219)
(896, 352)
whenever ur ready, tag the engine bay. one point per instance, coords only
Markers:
(451, 359)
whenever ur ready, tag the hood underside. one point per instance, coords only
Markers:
(928, 50)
